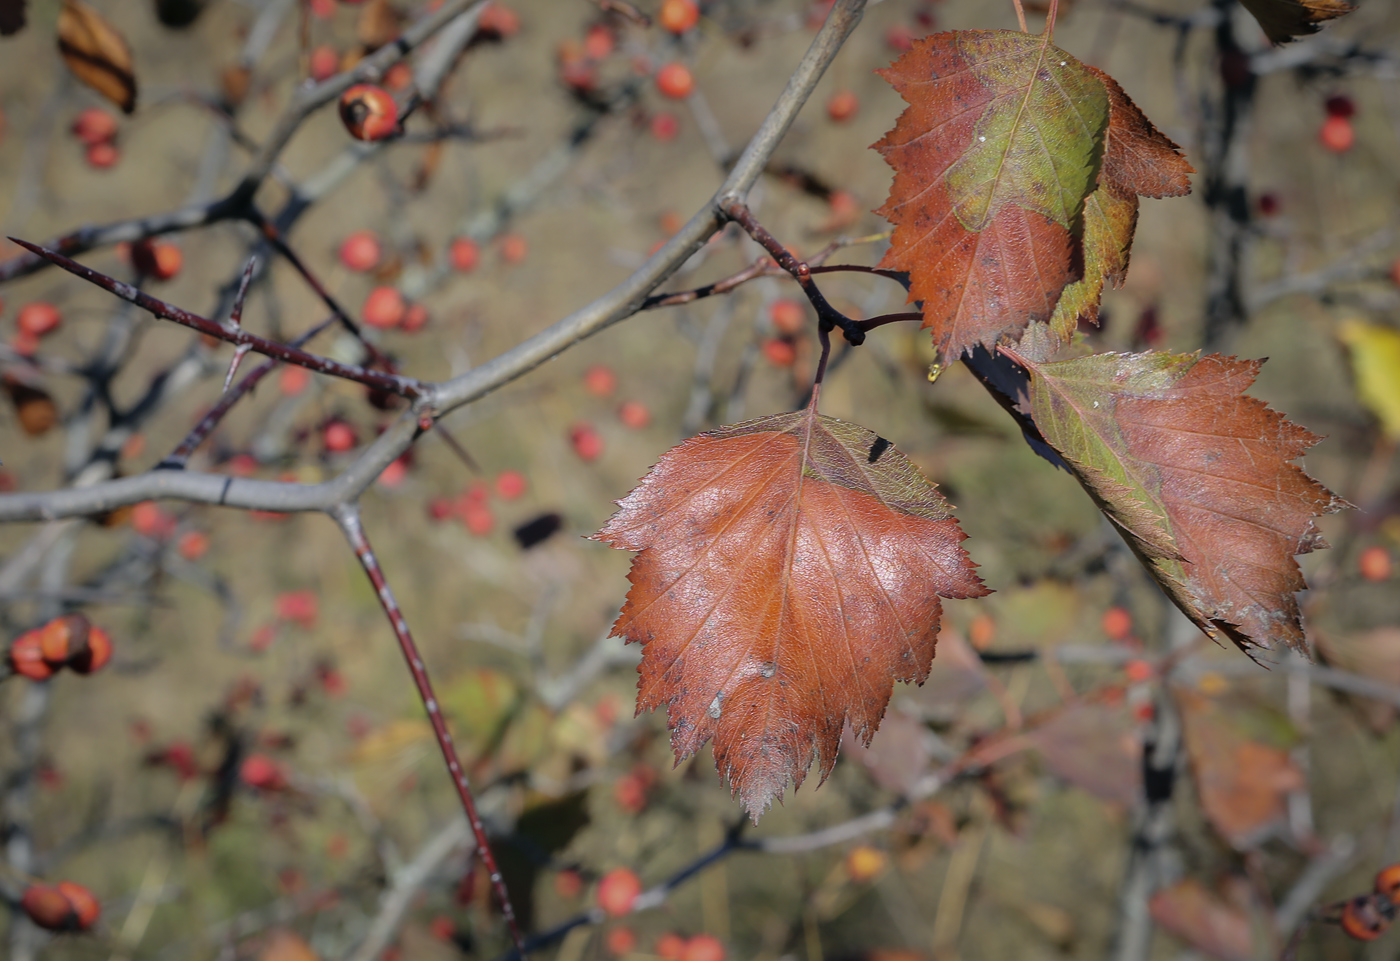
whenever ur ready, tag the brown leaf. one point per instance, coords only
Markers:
(898, 758)
(379, 23)
(1243, 784)
(1285, 20)
(993, 158)
(1204, 921)
(97, 54)
(1093, 747)
(789, 573)
(12, 17)
(34, 408)
(1198, 479)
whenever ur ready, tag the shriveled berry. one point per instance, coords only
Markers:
(369, 112)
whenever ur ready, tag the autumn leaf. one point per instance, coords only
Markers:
(1197, 477)
(1375, 362)
(1285, 20)
(1243, 784)
(1138, 160)
(97, 54)
(1204, 921)
(993, 158)
(1093, 747)
(789, 572)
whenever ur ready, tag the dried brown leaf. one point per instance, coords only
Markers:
(1285, 20)
(789, 572)
(97, 53)
(1204, 921)
(1093, 747)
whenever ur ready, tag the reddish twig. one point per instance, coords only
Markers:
(392, 383)
(348, 517)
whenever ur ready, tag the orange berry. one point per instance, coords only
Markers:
(323, 63)
(338, 437)
(621, 940)
(498, 21)
(361, 251)
(464, 255)
(670, 222)
(670, 946)
(1375, 563)
(1139, 671)
(634, 414)
(514, 248)
(384, 307)
(703, 947)
(149, 520)
(26, 657)
(1388, 883)
(85, 907)
(678, 16)
(665, 126)
(369, 112)
(102, 155)
(1362, 918)
(842, 106)
(48, 907)
(38, 318)
(865, 863)
(598, 42)
(568, 884)
(600, 381)
(156, 259)
(399, 76)
(779, 352)
(510, 485)
(193, 545)
(788, 316)
(1117, 623)
(674, 80)
(1337, 134)
(982, 631)
(293, 380)
(94, 125)
(587, 442)
(617, 891)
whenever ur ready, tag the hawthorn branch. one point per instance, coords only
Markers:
(348, 517)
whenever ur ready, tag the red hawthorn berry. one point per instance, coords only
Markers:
(1139, 671)
(499, 21)
(399, 76)
(478, 520)
(441, 508)
(26, 657)
(618, 891)
(157, 259)
(670, 946)
(299, 607)
(1388, 883)
(1364, 919)
(568, 884)
(1117, 623)
(322, 9)
(262, 772)
(788, 316)
(514, 248)
(414, 319)
(48, 907)
(703, 947)
(678, 16)
(621, 940)
(600, 380)
(443, 928)
(94, 125)
(630, 793)
(96, 653)
(899, 38)
(842, 106)
(338, 437)
(323, 63)
(1340, 105)
(1375, 564)
(1337, 134)
(361, 251)
(779, 352)
(293, 380)
(844, 210)
(369, 112)
(149, 519)
(464, 255)
(587, 442)
(102, 155)
(674, 80)
(665, 126)
(384, 308)
(262, 638)
(598, 42)
(510, 485)
(634, 414)
(38, 318)
(393, 473)
(85, 906)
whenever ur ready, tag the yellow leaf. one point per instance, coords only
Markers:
(390, 741)
(1375, 361)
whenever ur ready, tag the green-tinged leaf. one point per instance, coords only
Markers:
(1197, 477)
(1375, 362)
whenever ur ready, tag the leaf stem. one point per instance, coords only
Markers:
(1020, 15)
(1050, 18)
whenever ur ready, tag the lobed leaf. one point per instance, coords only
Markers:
(1197, 477)
(1285, 20)
(789, 572)
(993, 158)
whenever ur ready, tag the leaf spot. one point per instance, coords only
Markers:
(715, 707)
(876, 449)
(767, 669)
